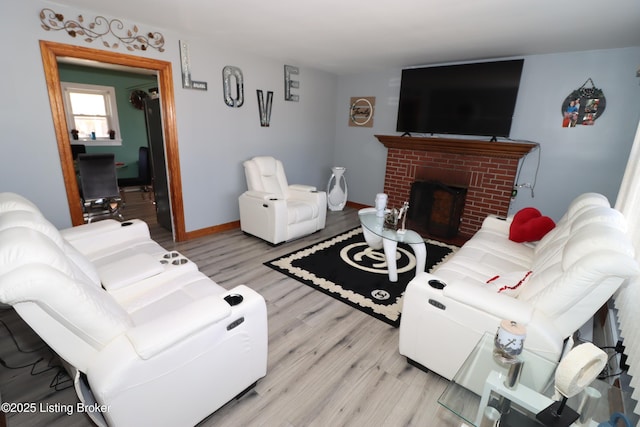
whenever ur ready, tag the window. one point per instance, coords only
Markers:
(92, 115)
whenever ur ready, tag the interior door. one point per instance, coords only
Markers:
(153, 120)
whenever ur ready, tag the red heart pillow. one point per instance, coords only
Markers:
(529, 225)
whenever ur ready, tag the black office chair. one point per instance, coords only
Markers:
(145, 176)
(99, 186)
(77, 149)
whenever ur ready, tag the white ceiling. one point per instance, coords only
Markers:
(342, 36)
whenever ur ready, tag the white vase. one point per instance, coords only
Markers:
(337, 189)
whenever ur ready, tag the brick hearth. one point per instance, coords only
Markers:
(487, 169)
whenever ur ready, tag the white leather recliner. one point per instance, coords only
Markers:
(552, 287)
(147, 341)
(275, 211)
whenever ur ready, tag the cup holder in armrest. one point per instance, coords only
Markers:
(233, 299)
(173, 258)
(172, 254)
(437, 284)
(125, 224)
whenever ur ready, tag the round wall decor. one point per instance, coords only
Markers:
(136, 98)
(583, 106)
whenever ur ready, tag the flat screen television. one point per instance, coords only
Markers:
(467, 99)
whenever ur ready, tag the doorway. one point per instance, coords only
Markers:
(51, 52)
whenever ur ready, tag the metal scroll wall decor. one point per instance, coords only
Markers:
(583, 106)
(185, 66)
(290, 84)
(265, 109)
(230, 73)
(100, 28)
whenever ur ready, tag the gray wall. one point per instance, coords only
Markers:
(572, 161)
(311, 135)
(213, 139)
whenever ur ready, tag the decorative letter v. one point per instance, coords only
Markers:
(265, 109)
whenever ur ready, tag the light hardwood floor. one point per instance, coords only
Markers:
(328, 364)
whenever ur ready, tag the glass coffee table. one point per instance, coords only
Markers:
(390, 239)
(479, 396)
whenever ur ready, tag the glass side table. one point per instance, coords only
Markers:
(480, 384)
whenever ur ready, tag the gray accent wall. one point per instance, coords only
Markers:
(213, 138)
(313, 134)
(571, 160)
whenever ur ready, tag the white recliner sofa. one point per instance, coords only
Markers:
(275, 211)
(143, 333)
(553, 287)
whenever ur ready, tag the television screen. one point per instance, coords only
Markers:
(468, 99)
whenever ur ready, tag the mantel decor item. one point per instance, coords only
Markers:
(337, 189)
(100, 28)
(583, 106)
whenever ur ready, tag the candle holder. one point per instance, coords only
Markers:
(509, 341)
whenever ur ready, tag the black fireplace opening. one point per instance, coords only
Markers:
(436, 208)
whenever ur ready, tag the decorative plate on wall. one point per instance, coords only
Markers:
(136, 98)
(583, 106)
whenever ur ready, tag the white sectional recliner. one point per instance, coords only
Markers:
(275, 211)
(142, 331)
(558, 284)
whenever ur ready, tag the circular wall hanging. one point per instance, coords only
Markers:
(361, 111)
(583, 106)
(136, 98)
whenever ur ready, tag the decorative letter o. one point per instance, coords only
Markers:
(228, 72)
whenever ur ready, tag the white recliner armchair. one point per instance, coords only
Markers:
(275, 211)
(146, 342)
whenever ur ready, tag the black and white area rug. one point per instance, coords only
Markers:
(346, 268)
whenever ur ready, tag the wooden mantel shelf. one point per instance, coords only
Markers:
(514, 150)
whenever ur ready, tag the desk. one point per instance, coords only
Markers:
(480, 381)
(390, 239)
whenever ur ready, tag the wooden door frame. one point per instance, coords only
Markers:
(50, 52)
